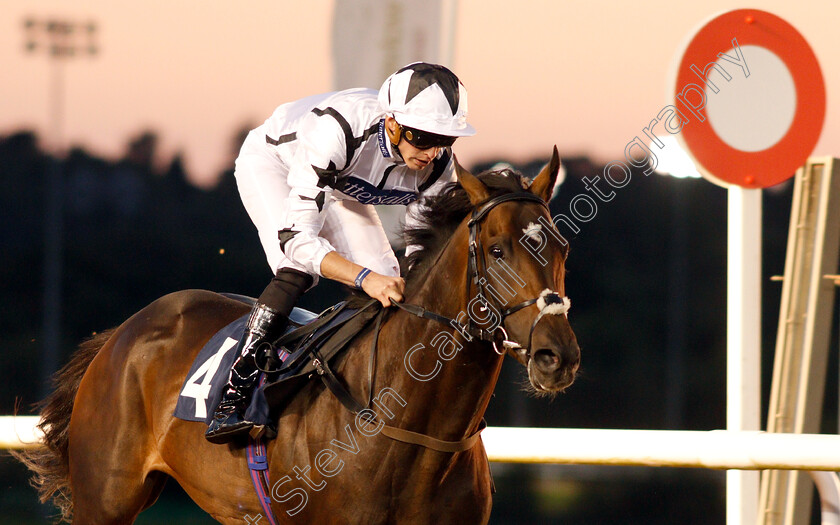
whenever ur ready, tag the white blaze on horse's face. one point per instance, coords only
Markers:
(534, 231)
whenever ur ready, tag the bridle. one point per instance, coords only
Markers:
(549, 302)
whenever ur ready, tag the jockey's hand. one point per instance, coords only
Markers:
(384, 288)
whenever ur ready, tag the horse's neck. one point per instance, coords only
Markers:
(450, 404)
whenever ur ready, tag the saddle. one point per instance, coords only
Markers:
(303, 352)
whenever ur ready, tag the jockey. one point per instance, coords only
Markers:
(309, 177)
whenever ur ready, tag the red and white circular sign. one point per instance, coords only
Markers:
(752, 99)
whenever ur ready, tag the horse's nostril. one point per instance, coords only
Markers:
(546, 360)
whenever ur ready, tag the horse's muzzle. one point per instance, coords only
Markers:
(553, 369)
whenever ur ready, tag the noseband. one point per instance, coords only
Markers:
(549, 302)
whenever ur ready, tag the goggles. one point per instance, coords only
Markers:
(424, 140)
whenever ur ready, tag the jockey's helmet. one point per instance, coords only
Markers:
(429, 98)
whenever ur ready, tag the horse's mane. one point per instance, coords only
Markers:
(437, 220)
(441, 214)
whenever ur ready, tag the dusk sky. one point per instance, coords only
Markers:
(587, 76)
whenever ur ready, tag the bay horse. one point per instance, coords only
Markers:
(111, 440)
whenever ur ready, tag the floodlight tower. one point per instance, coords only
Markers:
(60, 40)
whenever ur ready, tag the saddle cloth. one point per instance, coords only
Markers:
(319, 337)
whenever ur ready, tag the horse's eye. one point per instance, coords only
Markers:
(496, 251)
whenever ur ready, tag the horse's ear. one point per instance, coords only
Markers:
(543, 184)
(476, 190)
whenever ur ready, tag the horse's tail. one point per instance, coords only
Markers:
(49, 460)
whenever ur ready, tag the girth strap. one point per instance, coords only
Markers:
(258, 467)
(257, 459)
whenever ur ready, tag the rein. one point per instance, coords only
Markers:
(398, 434)
(549, 302)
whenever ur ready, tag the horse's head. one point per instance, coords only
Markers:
(518, 262)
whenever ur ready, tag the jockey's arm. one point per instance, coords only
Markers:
(378, 286)
(314, 170)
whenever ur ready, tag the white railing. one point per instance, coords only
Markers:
(18, 432)
(715, 449)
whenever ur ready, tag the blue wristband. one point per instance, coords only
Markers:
(361, 277)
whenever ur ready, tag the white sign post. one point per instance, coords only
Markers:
(743, 342)
(735, 90)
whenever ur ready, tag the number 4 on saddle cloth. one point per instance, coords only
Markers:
(294, 359)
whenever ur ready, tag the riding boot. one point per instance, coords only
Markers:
(264, 325)
(267, 322)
